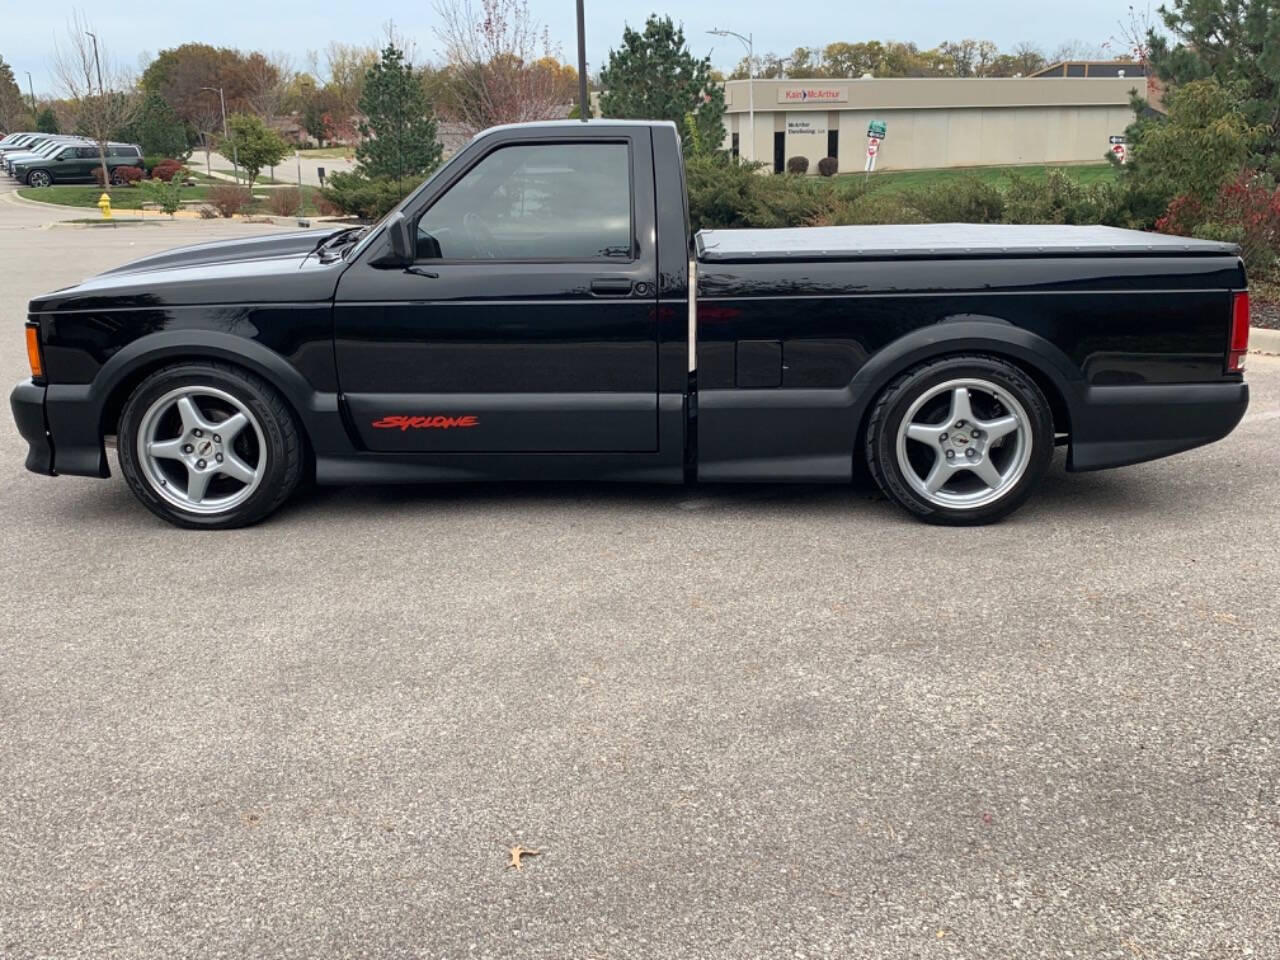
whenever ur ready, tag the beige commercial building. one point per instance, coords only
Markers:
(943, 122)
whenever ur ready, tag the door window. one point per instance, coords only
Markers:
(555, 201)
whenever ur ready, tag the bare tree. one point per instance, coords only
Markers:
(77, 62)
(500, 65)
(267, 79)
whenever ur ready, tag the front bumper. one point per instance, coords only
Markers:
(27, 401)
(1120, 425)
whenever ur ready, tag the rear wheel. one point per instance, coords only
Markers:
(962, 440)
(209, 445)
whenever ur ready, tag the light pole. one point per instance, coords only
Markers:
(101, 134)
(751, 83)
(235, 154)
(583, 106)
(31, 90)
(96, 62)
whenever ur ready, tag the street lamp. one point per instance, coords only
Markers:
(235, 155)
(96, 62)
(751, 82)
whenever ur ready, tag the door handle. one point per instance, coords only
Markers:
(611, 286)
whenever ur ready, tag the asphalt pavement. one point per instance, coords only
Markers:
(734, 722)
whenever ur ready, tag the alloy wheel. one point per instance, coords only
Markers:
(201, 449)
(964, 443)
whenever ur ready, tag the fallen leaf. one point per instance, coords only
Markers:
(517, 852)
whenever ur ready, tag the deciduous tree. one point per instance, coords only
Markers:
(102, 109)
(255, 145)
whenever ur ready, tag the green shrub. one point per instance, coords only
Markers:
(1059, 198)
(727, 193)
(863, 206)
(967, 200)
(797, 165)
(368, 198)
(828, 166)
(167, 194)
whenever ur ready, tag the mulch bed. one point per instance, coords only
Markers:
(1264, 313)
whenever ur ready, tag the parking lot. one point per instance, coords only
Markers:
(734, 721)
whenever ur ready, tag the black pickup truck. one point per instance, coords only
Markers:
(538, 310)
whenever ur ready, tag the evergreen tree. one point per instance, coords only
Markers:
(47, 121)
(158, 130)
(399, 131)
(1235, 41)
(655, 77)
(15, 111)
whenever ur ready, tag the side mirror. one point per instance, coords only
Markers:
(398, 229)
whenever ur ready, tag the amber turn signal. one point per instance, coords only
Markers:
(33, 351)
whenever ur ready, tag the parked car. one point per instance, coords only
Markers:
(38, 148)
(75, 163)
(18, 141)
(537, 309)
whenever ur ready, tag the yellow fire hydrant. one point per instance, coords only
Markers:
(104, 204)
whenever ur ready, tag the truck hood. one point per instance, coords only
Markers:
(276, 268)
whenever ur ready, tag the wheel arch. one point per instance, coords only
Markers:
(122, 374)
(1050, 369)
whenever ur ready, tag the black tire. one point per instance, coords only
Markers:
(895, 403)
(281, 442)
(39, 178)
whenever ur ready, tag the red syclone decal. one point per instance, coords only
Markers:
(425, 423)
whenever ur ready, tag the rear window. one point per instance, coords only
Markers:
(125, 152)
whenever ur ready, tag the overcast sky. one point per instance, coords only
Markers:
(132, 30)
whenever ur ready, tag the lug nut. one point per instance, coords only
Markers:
(942, 438)
(218, 458)
(187, 448)
(216, 438)
(971, 452)
(959, 424)
(973, 433)
(201, 464)
(198, 433)
(951, 454)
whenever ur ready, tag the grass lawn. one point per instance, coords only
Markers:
(329, 152)
(262, 177)
(914, 179)
(131, 198)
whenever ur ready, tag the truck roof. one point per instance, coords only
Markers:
(943, 240)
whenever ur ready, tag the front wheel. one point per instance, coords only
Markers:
(962, 440)
(39, 178)
(209, 445)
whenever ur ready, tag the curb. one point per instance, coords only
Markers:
(1262, 340)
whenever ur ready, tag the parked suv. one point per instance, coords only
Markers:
(76, 163)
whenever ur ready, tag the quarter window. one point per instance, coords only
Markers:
(561, 201)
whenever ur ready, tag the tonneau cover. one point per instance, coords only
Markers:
(943, 240)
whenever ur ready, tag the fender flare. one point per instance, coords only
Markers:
(969, 333)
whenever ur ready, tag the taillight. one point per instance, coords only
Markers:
(33, 351)
(1239, 332)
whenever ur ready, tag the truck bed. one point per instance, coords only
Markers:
(943, 240)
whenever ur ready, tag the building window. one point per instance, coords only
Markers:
(833, 143)
(734, 148)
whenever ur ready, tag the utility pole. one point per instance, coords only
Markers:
(584, 105)
(31, 90)
(749, 43)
